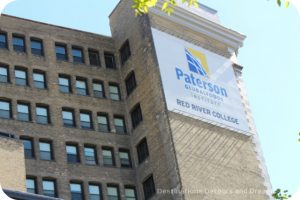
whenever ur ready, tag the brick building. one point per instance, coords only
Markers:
(92, 112)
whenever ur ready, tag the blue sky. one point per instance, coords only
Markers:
(270, 56)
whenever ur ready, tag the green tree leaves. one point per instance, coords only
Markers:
(281, 195)
(286, 3)
(143, 6)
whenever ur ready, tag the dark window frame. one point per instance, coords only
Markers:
(79, 90)
(46, 141)
(125, 52)
(36, 51)
(149, 192)
(68, 77)
(82, 194)
(130, 83)
(94, 61)
(5, 66)
(116, 94)
(142, 149)
(47, 107)
(32, 150)
(29, 110)
(59, 56)
(35, 184)
(19, 48)
(99, 185)
(69, 160)
(10, 112)
(86, 112)
(117, 127)
(115, 186)
(26, 80)
(131, 187)
(39, 72)
(136, 115)
(77, 59)
(111, 149)
(110, 60)
(95, 91)
(54, 184)
(4, 45)
(95, 154)
(72, 111)
(107, 119)
(122, 150)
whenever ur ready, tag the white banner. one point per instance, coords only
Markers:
(199, 83)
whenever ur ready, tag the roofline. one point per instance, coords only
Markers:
(53, 25)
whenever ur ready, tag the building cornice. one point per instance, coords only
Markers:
(200, 24)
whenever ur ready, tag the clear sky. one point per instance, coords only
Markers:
(270, 56)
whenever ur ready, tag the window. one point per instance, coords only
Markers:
(28, 148)
(64, 84)
(130, 193)
(103, 122)
(120, 126)
(3, 40)
(68, 117)
(149, 188)
(45, 150)
(94, 57)
(114, 92)
(36, 47)
(112, 192)
(142, 150)
(77, 55)
(21, 76)
(72, 153)
(98, 89)
(124, 158)
(31, 185)
(5, 109)
(108, 156)
(19, 43)
(86, 120)
(125, 52)
(76, 191)
(61, 52)
(95, 192)
(81, 86)
(42, 114)
(23, 112)
(90, 155)
(130, 83)
(4, 74)
(39, 79)
(109, 60)
(49, 188)
(136, 115)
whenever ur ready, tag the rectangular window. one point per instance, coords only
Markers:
(61, 52)
(4, 74)
(64, 84)
(3, 40)
(130, 83)
(149, 188)
(95, 192)
(36, 47)
(49, 188)
(42, 115)
(125, 158)
(5, 109)
(113, 192)
(120, 126)
(81, 86)
(76, 191)
(130, 193)
(21, 77)
(39, 79)
(98, 89)
(108, 156)
(94, 58)
(125, 52)
(142, 150)
(31, 185)
(136, 115)
(28, 148)
(86, 120)
(90, 155)
(114, 92)
(72, 154)
(109, 60)
(68, 117)
(19, 43)
(77, 55)
(103, 122)
(23, 112)
(46, 151)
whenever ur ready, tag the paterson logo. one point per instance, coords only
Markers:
(198, 75)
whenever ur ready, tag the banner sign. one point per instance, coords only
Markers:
(199, 83)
